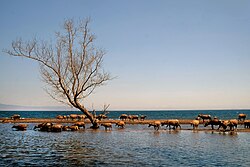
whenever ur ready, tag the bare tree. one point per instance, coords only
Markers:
(71, 66)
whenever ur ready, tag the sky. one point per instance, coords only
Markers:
(164, 54)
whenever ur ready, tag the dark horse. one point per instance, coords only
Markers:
(242, 117)
(212, 123)
(203, 117)
(247, 124)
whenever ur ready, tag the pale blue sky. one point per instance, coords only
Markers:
(167, 54)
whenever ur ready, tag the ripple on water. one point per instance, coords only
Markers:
(137, 145)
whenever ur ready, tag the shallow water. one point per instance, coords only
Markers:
(136, 145)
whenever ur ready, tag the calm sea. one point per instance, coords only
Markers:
(153, 114)
(136, 145)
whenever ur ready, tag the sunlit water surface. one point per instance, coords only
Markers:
(136, 145)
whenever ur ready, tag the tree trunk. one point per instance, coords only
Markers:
(95, 125)
(91, 117)
(71, 67)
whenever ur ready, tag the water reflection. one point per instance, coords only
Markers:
(136, 145)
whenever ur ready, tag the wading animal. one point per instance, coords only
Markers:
(120, 124)
(232, 124)
(172, 122)
(212, 123)
(46, 126)
(20, 127)
(223, 124)
(107, 126)
(247, 123)
(80, 124)
(38, 126)
(73, 128)
(65, 128)
(155, 124)
(195, 124)
(56, 128)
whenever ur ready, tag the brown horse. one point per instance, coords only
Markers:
(242, 117)
(195, 124)
(120, 124)
(133, 117)
(172, 122)
(80, 124)
(123, 117)
(59, 117)
(21, 127)
(56, 128)
(73, 128)
(155, 124)
(46, 126)
(232, 124)
(107, 126)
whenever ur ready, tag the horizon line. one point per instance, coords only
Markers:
(113, 110)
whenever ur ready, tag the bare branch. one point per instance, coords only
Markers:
(71, 67)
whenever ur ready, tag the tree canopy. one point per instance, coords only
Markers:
(71, 67)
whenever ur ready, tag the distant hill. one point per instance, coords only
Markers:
(7, 107)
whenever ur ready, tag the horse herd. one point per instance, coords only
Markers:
(56, 127)
(171, 123)
(224, 124)
(101, 116)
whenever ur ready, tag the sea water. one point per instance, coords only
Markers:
(135, 145)
(151, 114)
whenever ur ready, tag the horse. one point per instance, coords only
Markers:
(212, 123)
(242, 117)
(203, 117)
(155, 124)
(120, 124)
(195, 124)
(21, 127)
(172, 122)
(107, 125)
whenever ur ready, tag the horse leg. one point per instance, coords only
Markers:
(219, 127)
